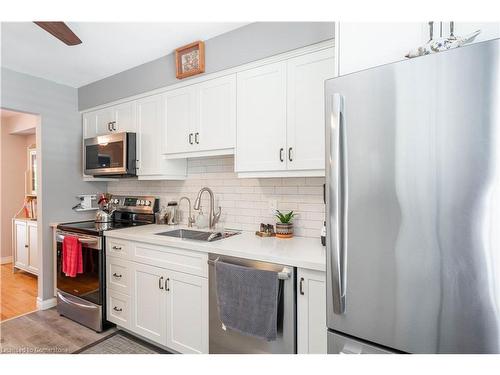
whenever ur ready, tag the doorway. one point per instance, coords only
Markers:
(19, 201)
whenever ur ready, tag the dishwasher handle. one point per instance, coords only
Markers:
(284, 274)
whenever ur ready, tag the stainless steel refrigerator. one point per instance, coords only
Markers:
(413, 205)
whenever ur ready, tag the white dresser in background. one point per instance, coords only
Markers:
(24, 245)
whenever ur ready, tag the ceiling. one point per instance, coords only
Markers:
(108, 47)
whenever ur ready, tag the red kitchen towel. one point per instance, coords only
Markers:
(72, 262)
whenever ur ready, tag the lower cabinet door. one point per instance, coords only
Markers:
(149, 302)
(311, 312)
(187, 313)
(118, 308)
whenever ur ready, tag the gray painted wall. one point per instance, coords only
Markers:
(248, 43)
(61, 137)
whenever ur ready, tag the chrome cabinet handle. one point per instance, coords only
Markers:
(160, 282)
(167, 285)
(116, 275)
(113, 125)
(109, 126)
(301, 286)
(190, 138)
(117, 309)
(281, 155)
(290, 154)
(26, 246)
(196, 135)
(116, 247)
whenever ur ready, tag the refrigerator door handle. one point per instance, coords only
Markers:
(337, 202)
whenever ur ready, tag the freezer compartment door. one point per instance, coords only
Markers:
(340, 344)
(413, 203)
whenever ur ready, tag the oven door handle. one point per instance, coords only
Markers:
(68, 301)
(86, 241)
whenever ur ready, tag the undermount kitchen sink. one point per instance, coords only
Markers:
(197, 235)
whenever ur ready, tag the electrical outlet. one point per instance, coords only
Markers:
(273, 205)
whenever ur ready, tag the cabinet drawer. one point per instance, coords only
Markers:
(118, 275)
(117, 248)
(181, 260)
(118, 308)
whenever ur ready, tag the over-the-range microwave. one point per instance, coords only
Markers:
(110, 155)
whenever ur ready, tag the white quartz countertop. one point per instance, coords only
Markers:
(297, 251)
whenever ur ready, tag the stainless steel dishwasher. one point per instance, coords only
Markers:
(227, 341)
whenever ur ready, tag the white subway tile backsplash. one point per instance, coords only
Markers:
(244, 202)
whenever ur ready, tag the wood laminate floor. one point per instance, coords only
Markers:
(18, 292)
(44, 331)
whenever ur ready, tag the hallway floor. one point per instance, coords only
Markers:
(18, 292)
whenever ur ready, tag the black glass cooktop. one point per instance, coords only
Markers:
(91, 227)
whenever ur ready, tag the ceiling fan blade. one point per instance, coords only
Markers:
(61, 31)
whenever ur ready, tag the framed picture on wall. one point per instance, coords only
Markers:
(190, 60)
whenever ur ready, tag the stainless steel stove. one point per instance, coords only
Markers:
(83, 298)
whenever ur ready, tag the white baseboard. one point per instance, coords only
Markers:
(5, 260)
(46, 304)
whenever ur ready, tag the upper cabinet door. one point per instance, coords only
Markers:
(261, 119)
(124, 117)
(364, 45)
(149, 135)
(89, 125)
(306, 109)
(104, 121)
(180, 107)
(216, 123)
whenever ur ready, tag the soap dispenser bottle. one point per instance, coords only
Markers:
(201, 220)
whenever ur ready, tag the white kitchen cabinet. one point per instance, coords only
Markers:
(154, 301)
(114, 119)
(149, 302)
(118, 308)
(363, 45)
(201, 119)
(281, 117)
(124, 117)
(261, 119)
(180, 115)
(306, 76)
(150, 133)
(89, 125)
(104, 119)
(311, 312)
(187, 312)
(25, 248)
(216, 122)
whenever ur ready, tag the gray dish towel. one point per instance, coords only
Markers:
(247, 299)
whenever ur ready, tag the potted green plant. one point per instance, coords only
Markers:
(284, 228)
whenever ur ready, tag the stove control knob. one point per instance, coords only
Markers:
(148, 203)
(138, 202)
(142, 202)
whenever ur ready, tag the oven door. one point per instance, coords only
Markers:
(111, 154)
(89, 284)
